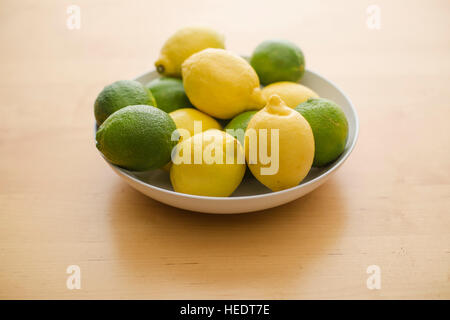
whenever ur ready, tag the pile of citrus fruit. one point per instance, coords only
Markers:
(212, 114)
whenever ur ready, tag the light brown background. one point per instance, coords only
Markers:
(60, 204)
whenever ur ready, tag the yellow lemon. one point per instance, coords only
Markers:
(291, 147)
(185, 119)
(183, 44)
(211, 163)
(291, 93)
(221, 83)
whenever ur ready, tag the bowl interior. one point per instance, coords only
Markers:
(250, 186)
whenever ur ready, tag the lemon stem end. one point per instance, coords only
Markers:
(160, 68)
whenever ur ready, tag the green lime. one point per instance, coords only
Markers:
(137, 138)
(278, 60)
(118, 95)
(240, 122)
(169, 94)
(329, 126)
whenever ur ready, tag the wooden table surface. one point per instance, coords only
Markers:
(61, 205)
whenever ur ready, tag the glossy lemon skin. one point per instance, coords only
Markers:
(221, 84)
(295, 145)
(182, 44)
(291, 93)
(185, 119)
(209, 179)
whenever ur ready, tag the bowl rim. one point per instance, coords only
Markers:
(335, 166)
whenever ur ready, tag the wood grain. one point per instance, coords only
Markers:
(61, 205)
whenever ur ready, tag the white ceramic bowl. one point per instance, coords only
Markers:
(250, 195)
